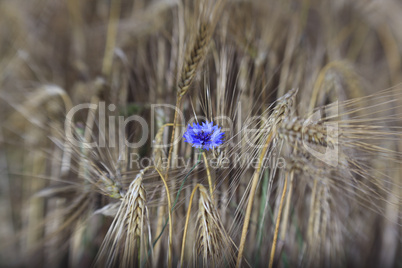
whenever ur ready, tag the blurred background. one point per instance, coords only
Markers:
(56, 54)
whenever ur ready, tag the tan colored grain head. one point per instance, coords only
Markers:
(213, 243)
(122, 243)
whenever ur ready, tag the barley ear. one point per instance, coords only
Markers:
(120, 245)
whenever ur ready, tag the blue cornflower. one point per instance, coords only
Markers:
(204, 136)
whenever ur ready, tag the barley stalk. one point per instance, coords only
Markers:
(278, 220)
(211, 188)
(255, 180)
(170, 219)
(111, 37)
(186, 223)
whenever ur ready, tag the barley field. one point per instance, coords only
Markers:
(200, 133)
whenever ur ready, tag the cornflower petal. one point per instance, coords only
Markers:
(205, 136)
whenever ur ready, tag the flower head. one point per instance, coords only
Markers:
(204, 136)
